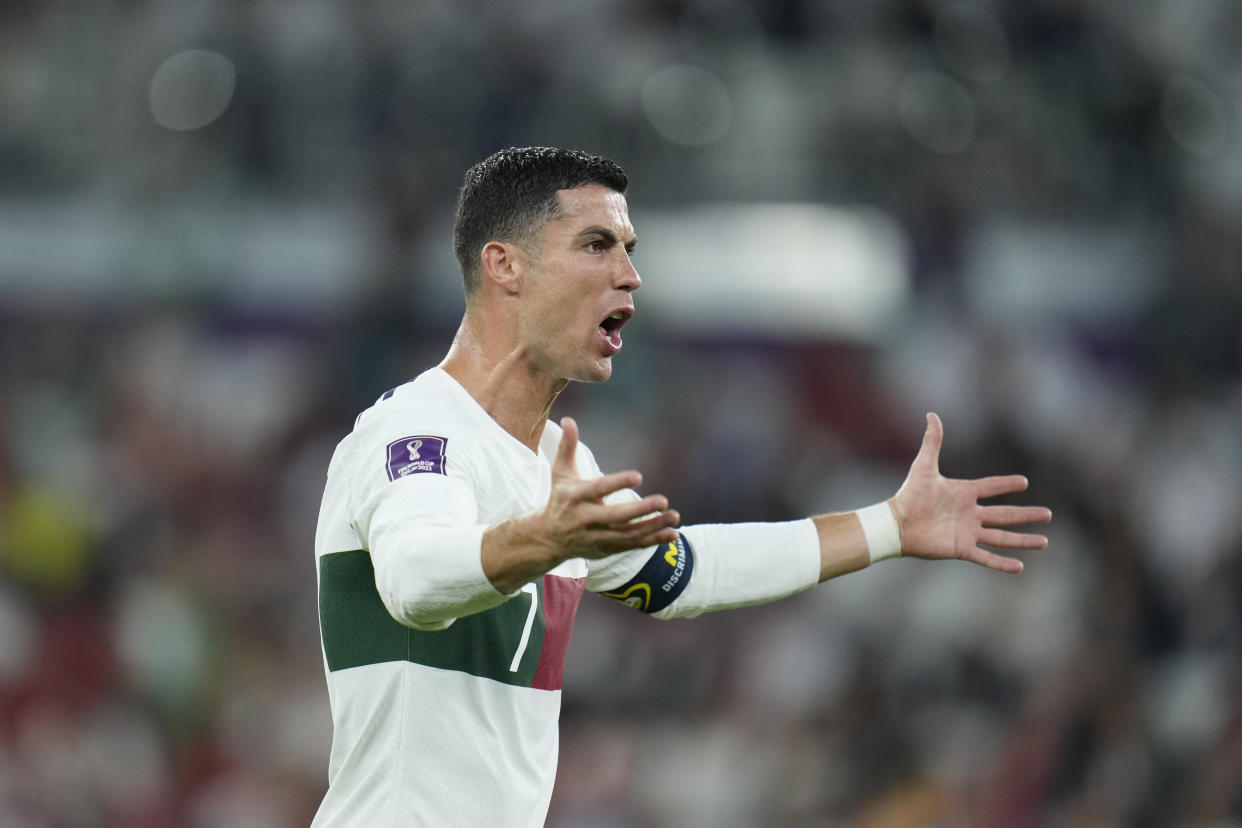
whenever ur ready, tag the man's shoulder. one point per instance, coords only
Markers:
(422, 409)
(426, 390)
(417, 427)
(426, 399)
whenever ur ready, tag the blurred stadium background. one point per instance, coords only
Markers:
(224, 230)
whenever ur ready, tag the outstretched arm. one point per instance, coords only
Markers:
(936, 518)
(720, 566)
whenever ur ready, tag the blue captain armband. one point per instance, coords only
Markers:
(661, 579)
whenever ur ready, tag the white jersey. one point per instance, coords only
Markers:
(448, 716)
(455, 726)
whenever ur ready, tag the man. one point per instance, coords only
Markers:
(459, 526)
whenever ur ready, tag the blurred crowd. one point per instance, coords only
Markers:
(1068, 175)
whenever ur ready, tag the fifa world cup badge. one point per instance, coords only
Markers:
(419, 453)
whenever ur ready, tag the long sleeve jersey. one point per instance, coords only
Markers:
(445, 693)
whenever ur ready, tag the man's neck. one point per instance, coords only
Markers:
(502, 381)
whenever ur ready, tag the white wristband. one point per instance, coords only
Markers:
(881, 531)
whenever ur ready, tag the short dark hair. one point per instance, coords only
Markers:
(509, 194)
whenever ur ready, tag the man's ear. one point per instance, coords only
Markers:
(503, 265)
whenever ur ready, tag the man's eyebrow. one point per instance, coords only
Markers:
(609, 236)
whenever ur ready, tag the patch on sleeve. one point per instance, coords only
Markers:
(411, 455)
(661, 579)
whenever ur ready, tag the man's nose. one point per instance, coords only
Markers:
(628, 278)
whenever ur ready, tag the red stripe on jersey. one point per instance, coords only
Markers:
(560, 605)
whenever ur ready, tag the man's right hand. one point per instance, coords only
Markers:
(575, 522)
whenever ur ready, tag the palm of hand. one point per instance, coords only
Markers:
(941, 518)
(578, 520)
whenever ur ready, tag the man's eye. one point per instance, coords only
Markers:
(595, 246)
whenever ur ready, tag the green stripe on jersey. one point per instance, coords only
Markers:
(357, 629)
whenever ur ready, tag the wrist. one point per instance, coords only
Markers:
(515, 552)
(881, 530)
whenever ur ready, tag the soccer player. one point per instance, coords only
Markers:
(460, 527)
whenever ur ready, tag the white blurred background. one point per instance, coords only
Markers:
(224, 229)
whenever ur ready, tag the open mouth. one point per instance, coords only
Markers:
(610, 328)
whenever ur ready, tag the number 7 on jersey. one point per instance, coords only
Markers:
(530, 622)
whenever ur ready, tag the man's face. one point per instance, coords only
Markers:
(578, 294)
